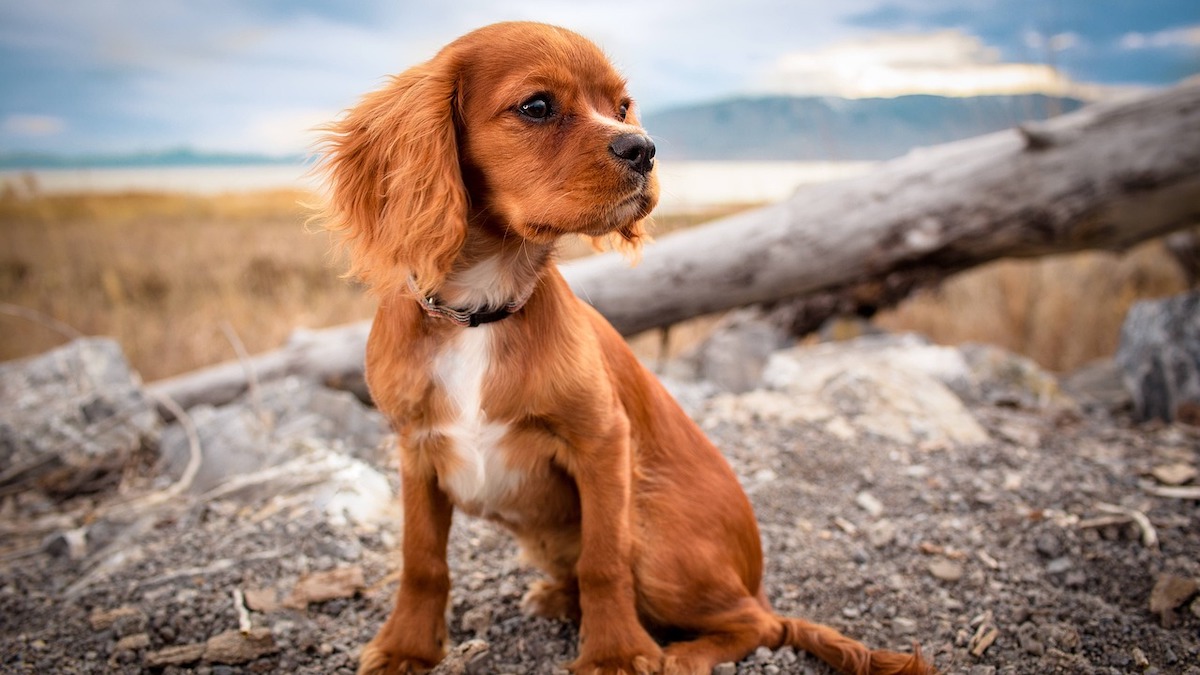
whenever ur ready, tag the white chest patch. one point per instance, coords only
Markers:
(481, 476)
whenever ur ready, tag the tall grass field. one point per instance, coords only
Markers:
(172, 276)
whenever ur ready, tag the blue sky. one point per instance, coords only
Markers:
(116, 76)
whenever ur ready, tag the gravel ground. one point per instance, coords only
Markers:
(1021, 555)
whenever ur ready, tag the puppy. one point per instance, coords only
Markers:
(515, 401)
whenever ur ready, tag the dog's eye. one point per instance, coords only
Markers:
(623, 111)
(537, 108)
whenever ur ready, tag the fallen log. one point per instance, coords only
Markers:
(1107, 176)
(331, 356)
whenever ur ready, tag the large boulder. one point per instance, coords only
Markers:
(1159, 355)
(895, 387)
(271, 426)
(71, 418)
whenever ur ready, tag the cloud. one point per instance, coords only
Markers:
(1185, 37)
(32, 125)
(947, 63)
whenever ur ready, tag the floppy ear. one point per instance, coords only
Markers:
(395, 191)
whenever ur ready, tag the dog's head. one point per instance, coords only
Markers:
(521, 126)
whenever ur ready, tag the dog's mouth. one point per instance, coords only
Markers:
(611, 217)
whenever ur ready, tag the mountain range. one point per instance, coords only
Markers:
(748, 128)
(836, 129)
(139, 160)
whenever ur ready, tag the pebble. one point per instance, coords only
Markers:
(762, 655)
(133, 642)
(786, 656)
(726, 668)
(477, 620)
(946, 570)
(881, 534)
(1027, 638)
(869, 503)
(1059, 565)
(1048, 544)
(764, 476)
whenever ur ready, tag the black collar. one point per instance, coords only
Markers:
(435, 308)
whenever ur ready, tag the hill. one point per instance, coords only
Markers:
(835, 129)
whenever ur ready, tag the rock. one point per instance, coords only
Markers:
(252, 433)
(343, 582)
(254, 452)
(1159, 354)
(946, 570)
(869, 503)
(881, 533)
(132, 643)
(734, 355)
(727, 668)
(886, 392)
(477, 620)
(1027, 637)
(1004, 378)
(1049, 544)
(1059, 565)
(232, 647)
(71, 418)
(1099, 384)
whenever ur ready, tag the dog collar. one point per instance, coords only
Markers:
(435, 308)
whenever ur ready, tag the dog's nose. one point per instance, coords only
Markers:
(636, 150)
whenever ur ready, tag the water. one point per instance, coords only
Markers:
(686, 186)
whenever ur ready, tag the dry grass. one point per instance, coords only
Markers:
(1063, 311)
(162, 273)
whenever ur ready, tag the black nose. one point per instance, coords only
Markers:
(636, 150)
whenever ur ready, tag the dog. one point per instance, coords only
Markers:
(513, 400)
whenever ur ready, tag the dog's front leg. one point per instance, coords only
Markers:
(612, 640)
(414, 638)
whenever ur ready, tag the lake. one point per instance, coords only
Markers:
(686, 186)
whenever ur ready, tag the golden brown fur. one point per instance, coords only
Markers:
(451, 182)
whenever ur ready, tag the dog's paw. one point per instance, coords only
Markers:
(378, 661)
(635, 665)
(685, 665)
(551, 600)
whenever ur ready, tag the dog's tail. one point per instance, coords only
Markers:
(850, 656)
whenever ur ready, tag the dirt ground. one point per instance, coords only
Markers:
(1021, 555)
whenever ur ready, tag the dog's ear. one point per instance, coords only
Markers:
(395, 190)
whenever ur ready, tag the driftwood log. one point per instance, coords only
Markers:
(1108, 176)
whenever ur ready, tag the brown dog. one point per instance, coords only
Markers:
(515, 401)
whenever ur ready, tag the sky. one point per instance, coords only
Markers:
(80, 77)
